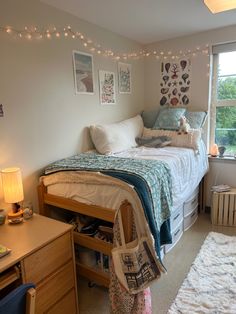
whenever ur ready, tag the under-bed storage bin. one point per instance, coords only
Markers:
(176, 235)
(191, 203)
(190, 219)
(176, 217)
(191, 210)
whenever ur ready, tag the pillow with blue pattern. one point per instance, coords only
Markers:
(168, 118)
(196, 119)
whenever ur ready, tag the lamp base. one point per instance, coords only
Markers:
(12, 215)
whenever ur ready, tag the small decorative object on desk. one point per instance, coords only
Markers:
(4, 250)
(28, 210)
(222, 150)
(2, 216)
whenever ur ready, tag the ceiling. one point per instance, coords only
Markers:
(147, 21)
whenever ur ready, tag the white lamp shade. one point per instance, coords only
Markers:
(216, 6)
(12, 185)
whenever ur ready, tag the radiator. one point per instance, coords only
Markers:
(223, 210)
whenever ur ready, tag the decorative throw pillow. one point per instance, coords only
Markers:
(149, 117)
(168, 118)
(159, 141)
(116, 137)
(196, 119)
(189, 140)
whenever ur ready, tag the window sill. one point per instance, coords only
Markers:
(226, 159)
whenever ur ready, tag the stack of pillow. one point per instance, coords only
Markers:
(153, 129)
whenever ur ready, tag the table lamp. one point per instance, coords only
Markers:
(13, 190)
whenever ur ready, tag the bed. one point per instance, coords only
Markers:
(99, 191)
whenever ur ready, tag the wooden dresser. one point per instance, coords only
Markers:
(42, 253)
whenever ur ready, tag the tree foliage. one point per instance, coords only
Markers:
(226, 116)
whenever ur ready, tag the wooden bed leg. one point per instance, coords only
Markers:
(202, 195)
(43, 208)
(127, 219)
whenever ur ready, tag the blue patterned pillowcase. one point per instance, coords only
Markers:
(149, 117)
(196, 119)
(168, 118)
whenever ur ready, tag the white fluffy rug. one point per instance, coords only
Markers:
(210, 286)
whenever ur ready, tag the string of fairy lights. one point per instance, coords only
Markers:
(34, 33)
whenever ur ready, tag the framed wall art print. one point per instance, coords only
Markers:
(124, 75)
(83, 72)
(107, 87)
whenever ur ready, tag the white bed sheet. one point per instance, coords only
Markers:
(187, 170)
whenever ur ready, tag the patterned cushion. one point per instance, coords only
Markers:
(168, 118)
(149, 117)
(196, 119)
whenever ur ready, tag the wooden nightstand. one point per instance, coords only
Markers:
(42, 253)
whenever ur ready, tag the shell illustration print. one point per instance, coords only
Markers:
(175, 83)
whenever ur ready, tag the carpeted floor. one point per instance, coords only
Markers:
(178, 262)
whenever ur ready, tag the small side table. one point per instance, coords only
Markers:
(223, 209)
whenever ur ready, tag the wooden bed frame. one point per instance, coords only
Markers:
(48, 201)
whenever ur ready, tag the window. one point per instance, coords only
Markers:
(223, 109)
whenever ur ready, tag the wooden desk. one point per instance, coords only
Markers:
(42, 253)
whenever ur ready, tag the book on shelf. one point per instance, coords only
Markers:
(220, 188)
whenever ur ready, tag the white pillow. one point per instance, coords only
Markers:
(116, 137)
(190, 140)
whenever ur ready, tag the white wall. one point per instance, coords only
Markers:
(199, 85)
(44, 119)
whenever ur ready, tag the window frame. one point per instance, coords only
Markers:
(214, 101)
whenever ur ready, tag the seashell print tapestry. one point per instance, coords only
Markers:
(175, 83)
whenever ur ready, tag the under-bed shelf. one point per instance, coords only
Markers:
(93, 243)
(94, 274)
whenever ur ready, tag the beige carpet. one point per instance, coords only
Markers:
(178, 262)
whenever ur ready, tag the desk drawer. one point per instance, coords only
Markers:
(66, 305)
(46, 260)
(53, 289)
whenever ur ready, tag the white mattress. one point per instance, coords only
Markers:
(187, 170)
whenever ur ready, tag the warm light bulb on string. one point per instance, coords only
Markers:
(67, 32)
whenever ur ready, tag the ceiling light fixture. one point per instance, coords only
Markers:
(216, 6)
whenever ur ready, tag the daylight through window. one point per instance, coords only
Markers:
(223, 111)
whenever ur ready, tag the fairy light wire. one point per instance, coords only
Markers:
(31, 33)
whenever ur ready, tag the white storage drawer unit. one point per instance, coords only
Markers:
(190, 219)
(191, 203)
(176, 217)
(176, 235)
(183, 218)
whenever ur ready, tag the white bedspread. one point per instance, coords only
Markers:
(187, 170)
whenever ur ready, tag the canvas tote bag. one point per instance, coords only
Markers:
(135, 263)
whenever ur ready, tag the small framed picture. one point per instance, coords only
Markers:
(83, 72)
(124, 75)
(107, 87)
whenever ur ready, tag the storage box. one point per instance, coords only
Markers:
(223, 209)
(176, 235)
